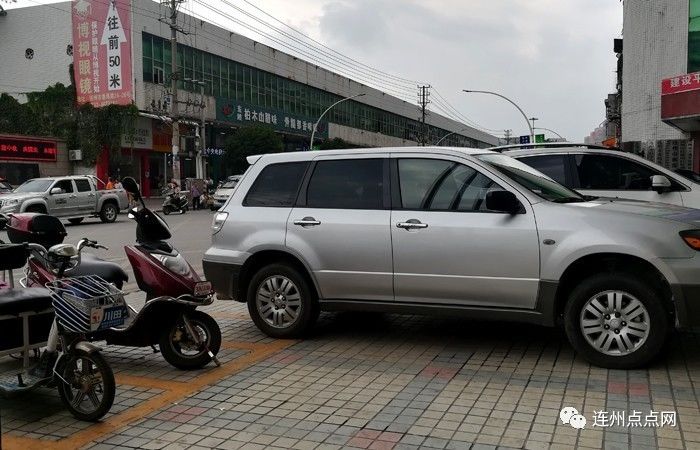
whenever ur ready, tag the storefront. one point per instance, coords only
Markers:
(25, 157)
(680, 108)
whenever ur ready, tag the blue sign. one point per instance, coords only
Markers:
(524, 139)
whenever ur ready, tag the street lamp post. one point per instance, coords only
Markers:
(551, 131)
(199, 160)
(313, 132)
(527, 121)
(449, 134)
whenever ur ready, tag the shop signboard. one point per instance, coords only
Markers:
(244, 114)
(142, 137)
(680, 83)
(40, 150)
(102, 51)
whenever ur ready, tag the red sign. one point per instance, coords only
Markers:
(681, 83)
(102, 51)
(27, 149)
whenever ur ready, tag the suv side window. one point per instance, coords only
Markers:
(277, 185)
(611, 172)
(347, 184)
(554, 166)
(66, 185)
(439, 185)
(83, 185)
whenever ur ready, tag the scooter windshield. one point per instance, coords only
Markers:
(151, 227)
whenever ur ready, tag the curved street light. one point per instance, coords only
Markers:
(313, 132)
(527, 121)
(551, 131)
(450, 134)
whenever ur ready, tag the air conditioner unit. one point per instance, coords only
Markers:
(75, 155)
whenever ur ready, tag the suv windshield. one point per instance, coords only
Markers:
(34, 186)
(534, 181)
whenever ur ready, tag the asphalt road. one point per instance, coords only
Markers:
(191, 236)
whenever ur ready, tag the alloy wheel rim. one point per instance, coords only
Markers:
(615, 323)
(278, 301)
(86, 387)
(110, 213)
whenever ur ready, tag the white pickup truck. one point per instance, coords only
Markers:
(72, 198)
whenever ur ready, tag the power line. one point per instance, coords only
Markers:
(354, 61)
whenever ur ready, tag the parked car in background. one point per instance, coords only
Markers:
(602, 172)
(223, 192)
(5, 187)
(73, 198)
(472, 233)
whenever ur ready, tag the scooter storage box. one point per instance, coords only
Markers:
(34, 228)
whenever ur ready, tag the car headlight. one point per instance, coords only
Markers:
(218, 223)
(176, 264)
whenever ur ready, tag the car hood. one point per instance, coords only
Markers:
(649, 209)
(21, 196)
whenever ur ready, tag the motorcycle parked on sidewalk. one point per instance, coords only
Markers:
(175, 202)
(187, 338)
(60, 318)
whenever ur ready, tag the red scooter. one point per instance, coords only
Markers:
(187, 338)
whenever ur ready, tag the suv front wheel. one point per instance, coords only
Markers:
(616, 321)
(281, 302)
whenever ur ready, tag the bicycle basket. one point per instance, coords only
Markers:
(87, 303)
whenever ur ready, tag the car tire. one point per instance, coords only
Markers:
(109, 212)
(616, 321)
(75, 221)
(288, 297)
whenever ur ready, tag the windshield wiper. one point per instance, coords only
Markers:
(569, 200)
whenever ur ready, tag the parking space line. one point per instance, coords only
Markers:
(172, 392)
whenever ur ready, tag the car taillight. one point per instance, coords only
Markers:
(218, 223)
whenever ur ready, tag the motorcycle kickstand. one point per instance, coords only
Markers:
(197, 340)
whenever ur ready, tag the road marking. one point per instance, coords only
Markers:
(173, 391)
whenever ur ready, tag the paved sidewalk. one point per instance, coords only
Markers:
(374, 381)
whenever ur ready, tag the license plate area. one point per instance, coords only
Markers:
(202, 289)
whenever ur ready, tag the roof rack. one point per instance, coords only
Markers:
(502, 148)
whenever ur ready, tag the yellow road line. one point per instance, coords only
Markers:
(173, 392)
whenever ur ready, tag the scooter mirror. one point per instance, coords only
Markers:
(131, 187)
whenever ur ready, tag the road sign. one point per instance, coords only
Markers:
(539, 138)
(524, 139)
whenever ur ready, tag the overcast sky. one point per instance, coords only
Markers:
(552, 57)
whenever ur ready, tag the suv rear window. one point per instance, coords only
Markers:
(277, 185)
(347, 184)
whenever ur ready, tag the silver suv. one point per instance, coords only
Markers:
(461, 232)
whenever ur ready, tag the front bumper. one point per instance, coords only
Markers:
(223, 278)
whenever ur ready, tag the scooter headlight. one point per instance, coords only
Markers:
(175, 264)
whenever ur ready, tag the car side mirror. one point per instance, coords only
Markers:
(504, 201)
(660, 183)
(55, 191)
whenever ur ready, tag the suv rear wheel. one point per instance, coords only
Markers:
(616, 321)
(281, 302)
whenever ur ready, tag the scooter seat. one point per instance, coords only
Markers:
(107, 270)
(15, 301)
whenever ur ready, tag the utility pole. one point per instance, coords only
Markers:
(173, 86)
(507, 135)
(423, 100)
(532, 119)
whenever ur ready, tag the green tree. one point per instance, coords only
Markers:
(250, 140)
(337, 143)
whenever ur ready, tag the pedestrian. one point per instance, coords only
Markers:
(110, 184)
(173, 185)
(117, 183)
(195, 196)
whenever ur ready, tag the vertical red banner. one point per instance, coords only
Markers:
(102, 51)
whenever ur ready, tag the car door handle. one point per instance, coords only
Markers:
(411, 224)
(307, 221)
